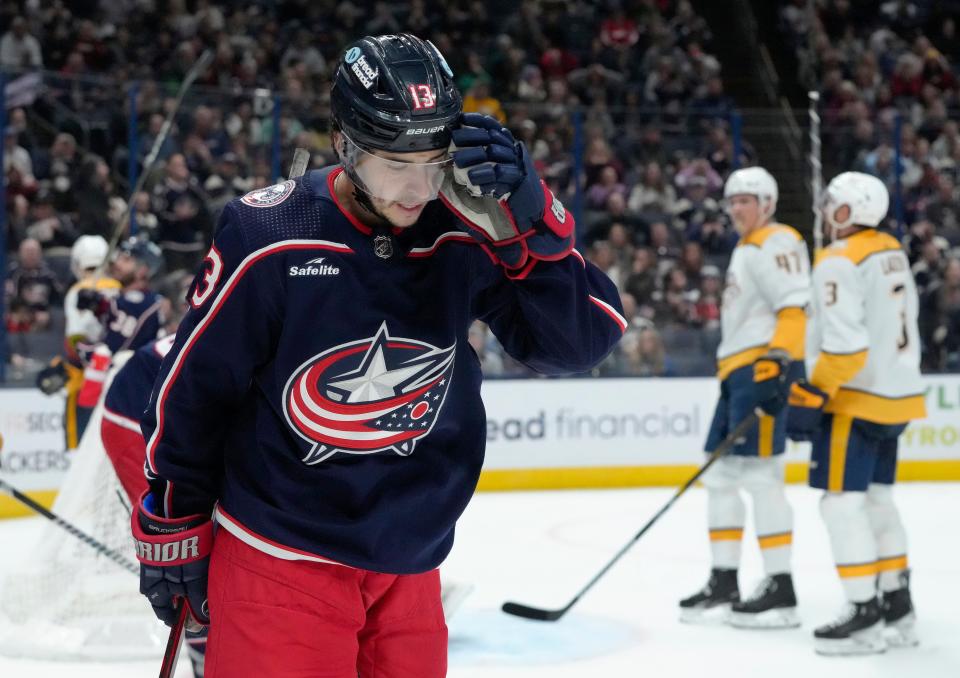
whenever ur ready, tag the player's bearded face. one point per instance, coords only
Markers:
(124, 269)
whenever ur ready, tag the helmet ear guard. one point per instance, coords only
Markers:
(864, 195)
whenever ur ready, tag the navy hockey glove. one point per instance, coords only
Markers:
(174, 554)
(806, 410)
(93, 301)
(496, 191)
(53, 377)
(770, 381)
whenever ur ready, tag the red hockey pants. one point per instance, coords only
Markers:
(273, 618)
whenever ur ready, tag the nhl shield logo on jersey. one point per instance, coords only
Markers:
(383, 246)
(269, 196)
(376, 394)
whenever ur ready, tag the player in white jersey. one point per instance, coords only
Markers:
(83, 330)
(763, 321)
(864, 387)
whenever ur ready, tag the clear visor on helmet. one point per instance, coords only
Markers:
(402, 181)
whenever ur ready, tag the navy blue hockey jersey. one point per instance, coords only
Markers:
(321, 390)
(135, 319)
(129, 392)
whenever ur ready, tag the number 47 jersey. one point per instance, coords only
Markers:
(765, 297)
(864, 336)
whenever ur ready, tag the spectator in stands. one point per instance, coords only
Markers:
(15, 155)
(225, 184)
(631, 312)
(664, 241)
(707, 308)
(653, 194)
(33, 283)
(479, 100)
(603, 256)
(608, 184)
(180, 204)
(642, 281)
(142, 215)
(691, 261)
(94, 198)
(620, 240)
(19, 49)
(711, 104)
(50, 228)
(714, 234)
(674, 302)
(615, 211)
(63, 171)
(641, 354)
(944, 210)
(929, 267)
(940, 319)
(696, 206)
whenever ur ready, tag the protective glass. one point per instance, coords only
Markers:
(409, 183)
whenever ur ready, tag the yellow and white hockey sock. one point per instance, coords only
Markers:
(854, 546)
(889, 534)
(773, 518)
(725, 517)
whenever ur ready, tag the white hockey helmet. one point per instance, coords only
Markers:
(754, 181)
(864, 194)
(89, 251)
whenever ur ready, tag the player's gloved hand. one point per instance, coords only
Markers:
(496, 190)
(91, 300)
(174, 554)
(53, 377)
(806, 410)
(770, 381)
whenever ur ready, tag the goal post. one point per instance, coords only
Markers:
(66, 601)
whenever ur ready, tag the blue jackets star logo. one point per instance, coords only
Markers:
(376, 394)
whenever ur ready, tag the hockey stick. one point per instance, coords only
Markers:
(69, 527)
(174, 640)
(301, 158)
(541, 614)
(195, 71)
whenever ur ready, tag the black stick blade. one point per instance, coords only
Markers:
(535, 613)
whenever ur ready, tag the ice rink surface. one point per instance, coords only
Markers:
(540, 548)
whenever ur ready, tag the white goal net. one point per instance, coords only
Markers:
(68, 601)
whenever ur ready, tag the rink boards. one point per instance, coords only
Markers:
(542, 433)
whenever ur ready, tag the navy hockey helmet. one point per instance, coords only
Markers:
(395, 93)
(144, 252)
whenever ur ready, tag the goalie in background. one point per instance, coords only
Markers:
(864, 388)
(763, 320)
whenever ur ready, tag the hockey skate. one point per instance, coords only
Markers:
(772, 606)
(898, 616)
(858, 631)
(712, 603)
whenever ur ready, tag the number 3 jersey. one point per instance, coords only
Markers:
(321, 389)
(765, 297)
(863, 341)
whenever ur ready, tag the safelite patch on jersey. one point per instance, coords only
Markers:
(269, 196)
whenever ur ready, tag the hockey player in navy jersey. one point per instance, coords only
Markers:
(131, 317)
(123, 406)
(321, 400)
